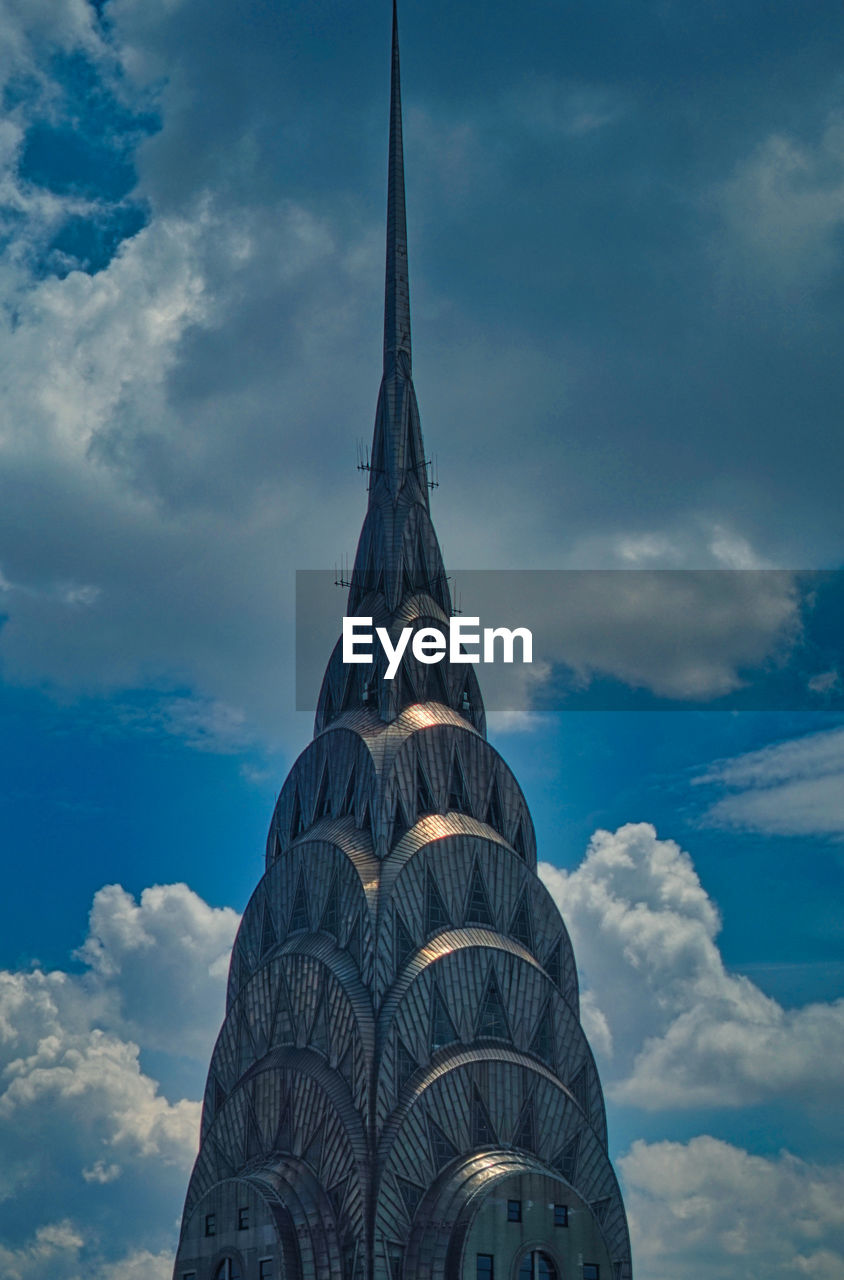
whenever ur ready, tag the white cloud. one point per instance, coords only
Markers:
(790, 788)
(137, 517)
(78, 1110)
(30, 26)
(682, 1030)
(784, 209)
(711, 1210)
(62, 1073)
(170, 940)
(56, 1249)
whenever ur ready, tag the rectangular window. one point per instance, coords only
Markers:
(265, 1269)
(243, 1218)
(210, 1224)
(561, 1215)
(483, 1267)
(514, 1210)
(188, 1275)
(590, 1271)
(395, 1257)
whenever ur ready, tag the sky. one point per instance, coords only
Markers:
(626, 226)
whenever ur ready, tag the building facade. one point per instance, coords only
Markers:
(401, 1089)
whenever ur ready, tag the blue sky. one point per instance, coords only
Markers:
(625, 231)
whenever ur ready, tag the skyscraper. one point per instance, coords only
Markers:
(401, 1089)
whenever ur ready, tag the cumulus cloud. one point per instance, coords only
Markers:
(713, 1211)
(678, 1028)
(169, 940)
(58, 1249)
(794, 787)
(84, 1125)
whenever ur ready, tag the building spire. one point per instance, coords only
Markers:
(396, 295)
(398, 456)
(398, 574)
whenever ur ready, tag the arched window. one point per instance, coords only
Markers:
(537, 1266)
(228, 1269)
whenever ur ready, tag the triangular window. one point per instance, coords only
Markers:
(400, 821)
(407, 581)
(318, 1038)
(458, 796)
(222, 1159)
(348, 805)
(282, 1027)
(219, 1095)
(442, 1148)
(348, 691)
(442, 1028)
(268, 938)
(408, 692)
(412, 462)
(312, 1154)
(299, 918)
(492, 1019)
(424, 794)
(542, 1042)
(600, 1208)
(423, 576)
(330, 922)
(436, 916)
(566, 1158)
(521, 927)
(322, 808)
(411, 1194)
(477, 902)
(366, 821)
(337, 1195)
(519, 840)
(483, 1134)
(353, 940)
(553, 966)
(239, 971)
(328, 706)
(297, 824)
(494, 813)
(579, 1089)
(284, 1137)
(252, 1146)
(406, 1064)
(245, 1047)
(525, 1135)
(402, 941)
(346, 1064)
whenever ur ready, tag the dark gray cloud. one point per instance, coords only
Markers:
(626, 280)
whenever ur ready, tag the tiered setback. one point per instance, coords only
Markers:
(402, 1045)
